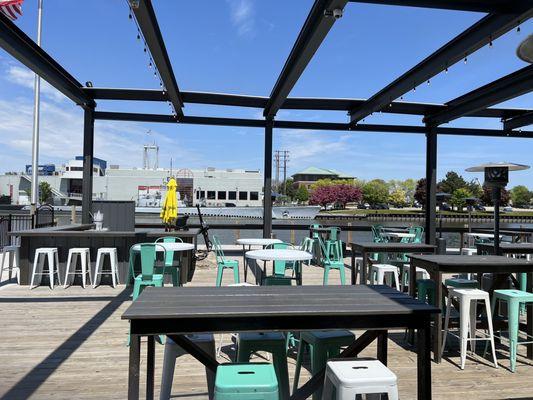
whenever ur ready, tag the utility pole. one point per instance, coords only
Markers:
(285, 156)
(36, 110)
(276, 163)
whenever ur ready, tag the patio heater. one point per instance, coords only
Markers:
(497, 177)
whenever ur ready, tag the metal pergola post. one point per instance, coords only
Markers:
(267, 185)
(431, 184)
(88, 157)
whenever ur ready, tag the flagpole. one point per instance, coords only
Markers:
(36, 111)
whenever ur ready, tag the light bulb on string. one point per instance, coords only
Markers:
(401, 97)
(138, 36)
(446, 70)
(130, 16)
(518, 29)
(490, 41)
(466, 59)
(429, 83)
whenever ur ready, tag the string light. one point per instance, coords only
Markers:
(490, 41)
(466, 59)
(401, 97)
(518, 29)
(446, 70)
(429, 83)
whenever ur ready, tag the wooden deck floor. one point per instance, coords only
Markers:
(70, 344)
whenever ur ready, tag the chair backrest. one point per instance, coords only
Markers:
(377, 235)
(315, 235)
(169, 257)
(334, 233)
(419, 232)
(280, 266)
(307, 244)
(218, 250)
(148, 257)
(335, 251)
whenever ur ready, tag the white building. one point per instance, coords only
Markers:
(207, 187)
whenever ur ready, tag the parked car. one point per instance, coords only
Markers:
(507, 209)
(363, 206)
(479, 207)
(445, 207)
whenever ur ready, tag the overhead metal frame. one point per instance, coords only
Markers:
(145, 15)
(478, 35)
(490, 6)
(316, 27)
(518, 122)
(24, 49)
(508, 87)
(291, 103)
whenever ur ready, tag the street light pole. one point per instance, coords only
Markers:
(36, 110)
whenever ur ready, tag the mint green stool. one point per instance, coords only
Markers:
(246, 381)
(426, 289)
(513, 298)
(223, 263)
(270, 342)
(322, 346)
(461, 283)
(148, 277)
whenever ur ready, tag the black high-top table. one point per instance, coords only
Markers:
(437, 265)
(177, 311)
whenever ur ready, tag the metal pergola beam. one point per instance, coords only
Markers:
(145, 15)
(21, 47)
(329, 126)
(292, 103)
(314, 31)
(508, 87)
(518, 122)
(487, 6)
(478, 35)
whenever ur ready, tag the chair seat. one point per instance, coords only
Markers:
(156, 278)
(340, 338)
(518, 295)
(354, 373)
(229, 263)
(246, 380)
(385, 267)
(461, 283)
(261, 337)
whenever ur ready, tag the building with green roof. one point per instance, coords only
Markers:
(312, 174)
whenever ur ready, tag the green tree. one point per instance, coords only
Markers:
(520, 196)
(302, 194)
(398, 198)
(486, 198)
(475, 188)
(45, 192)
(375, 192)
(289, 187)
(420, 192)
(451, 182)
(458, 198)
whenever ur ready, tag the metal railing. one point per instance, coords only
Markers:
(43, 217)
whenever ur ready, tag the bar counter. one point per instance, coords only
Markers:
(83, 235)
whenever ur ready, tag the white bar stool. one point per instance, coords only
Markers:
(113, 259)
(206, 342)
(345, 379)
(379, 272)
(468, 299)
(72, 259)
(12, 254)
(41, 254)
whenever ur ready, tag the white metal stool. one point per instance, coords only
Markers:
(206, 342)
(468, 299)
(113, 260)
(12, 254)
(345, 379)
(72, 259)
(379, 273)
(41, 254)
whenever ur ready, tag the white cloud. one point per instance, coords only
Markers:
(24, 77)
(243, 16)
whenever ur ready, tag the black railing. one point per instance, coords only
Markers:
(43, 217)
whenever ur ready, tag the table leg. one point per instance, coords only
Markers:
(382, 347)
(529, 289)
(412, 293)
(423, 339)
(150, 366)
(364, 269)
(133, 373)
(245, 264)
(437, 337)
(353, 271)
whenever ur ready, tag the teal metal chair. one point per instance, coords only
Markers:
(223, 263)
(307, 244)
(148, 277)
(245, 381)
(334, 235)
(280, 267)
(333, 259)
(315, 235)
(171, 268)
(513, 298)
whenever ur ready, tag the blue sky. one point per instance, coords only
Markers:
(240, 46)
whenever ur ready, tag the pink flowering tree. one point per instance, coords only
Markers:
(337, 193)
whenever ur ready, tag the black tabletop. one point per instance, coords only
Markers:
(508, 248)
(204, 309)
(392, 247)
(456, 263)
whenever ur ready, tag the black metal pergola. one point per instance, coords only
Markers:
(501, 17)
